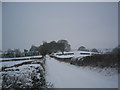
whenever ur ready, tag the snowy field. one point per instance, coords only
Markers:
(11, 63)
(55, 74)
(64, 75)
(74, 54)
(3, 59)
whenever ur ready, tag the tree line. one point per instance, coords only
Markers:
(53, 47)
(48, 48)
(44, 49)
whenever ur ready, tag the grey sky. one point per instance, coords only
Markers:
(89, 24)
(60, 0)
(119, 24)
(0, 26)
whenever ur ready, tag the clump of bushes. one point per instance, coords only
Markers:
(111, 59)
(103, 60)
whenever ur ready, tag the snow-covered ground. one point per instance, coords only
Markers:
(21, 58)
(65, 56)
(64, 75)
(74, 54)
(9, 63)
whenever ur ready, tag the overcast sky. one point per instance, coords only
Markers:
(88, 24)
(0, 26)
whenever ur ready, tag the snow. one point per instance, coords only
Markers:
(64, 75)
(76, 54)
(24, 68)
(36, 56)
(23, 75)
(21, 58)
(11, 63)
(1, 59)
(65, 56)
